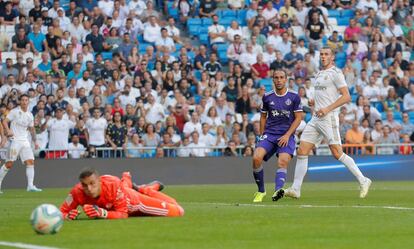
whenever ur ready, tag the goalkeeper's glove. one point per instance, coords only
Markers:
(72, 215)
(93, 211)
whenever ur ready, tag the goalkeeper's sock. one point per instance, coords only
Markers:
(280, 178)
(30, 175)
(300, 172)
(3, 173)
(350, 164)
(258, 177)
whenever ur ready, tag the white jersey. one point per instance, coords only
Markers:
(327, 83)
(59, 133)
(96, 129)
(20, 121)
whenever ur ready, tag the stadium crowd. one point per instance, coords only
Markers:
(188, 74)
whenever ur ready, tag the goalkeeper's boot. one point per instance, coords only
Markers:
(290, 192)
(278, 194)
(154, 185)
(364, 187)
(33, 189)
(258, 196)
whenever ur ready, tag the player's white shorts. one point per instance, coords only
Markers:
(19, 148)
(320, 128)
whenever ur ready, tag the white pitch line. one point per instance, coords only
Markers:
(24, 246)
(299, 206)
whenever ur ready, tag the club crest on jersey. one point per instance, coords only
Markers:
(288, 102)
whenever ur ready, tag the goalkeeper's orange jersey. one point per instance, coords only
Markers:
(112, 198)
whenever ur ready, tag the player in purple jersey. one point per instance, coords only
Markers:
(281, 114)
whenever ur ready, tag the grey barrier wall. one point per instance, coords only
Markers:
(217, 170)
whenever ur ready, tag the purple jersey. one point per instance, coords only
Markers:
(280, 111)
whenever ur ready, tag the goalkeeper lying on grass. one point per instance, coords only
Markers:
(109, 197)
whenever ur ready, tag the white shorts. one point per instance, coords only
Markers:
(19, 148)
(320, 128)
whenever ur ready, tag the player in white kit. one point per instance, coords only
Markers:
(21, 123)
(331, 92)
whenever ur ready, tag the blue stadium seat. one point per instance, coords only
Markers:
(398, 116)
(308, 117)
(223, 57)
(383, 115)
(343, 21)
(267, 83)
(340, 56)
(242, 14)
(178, 46)
(228, 13)
(143, 46)
(334, 13)
(197, 74)
(348, 13)
(174, 13)
(340, 63)
(107, 55)
(226, 21)
(204, 38)
(222, 47)
(194, 30)
(378, 105)
(354, 97)
(207, 21)
(140, 38)
(193, 21)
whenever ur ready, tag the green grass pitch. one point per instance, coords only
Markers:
(329, 215)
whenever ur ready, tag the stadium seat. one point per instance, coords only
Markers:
(348, 13)
(207, 21)
(343, 21)
(228, 13)
(193, 21)
(308, 117)
(378, 105)
(194, 30)
(222, 47)
(107, 55)
(143, 46)
(223, 57)
(340, 56)
(398, 116)
(242, 14)
(140, 38)
(332, 21)
(354, 97)
(204, 38)
(267, 83)
(334, 13)
(226, 21)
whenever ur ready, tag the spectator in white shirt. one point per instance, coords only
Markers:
(165, 42)
(393, 29)
(270, 13)
(96, 127)
(107, 6)
(58, 131)
(235, 49)
(365, 5)
(76, 149)
(409, 100)
(85, 82)
(248, 58)
(152, 31)
(198, 149)
(217, 32)
(73, 100)
(193, 125)
(173, 31)
(372, 91)
(269, 55)
(236, 4)
(205, 137)
(76, 29)
(232, 30)
(137, 7)
(154, 111)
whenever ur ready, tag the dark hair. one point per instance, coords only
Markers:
(87, 172)
(23, 95)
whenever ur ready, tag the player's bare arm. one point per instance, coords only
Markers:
(345, 98)
(33, 134)
(263, 118)
(283, 140)
(7, 130)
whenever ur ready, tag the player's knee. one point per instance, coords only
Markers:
(283, 163)
(302, 151)
(8, 165)
(257, 160)
(337, 153)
